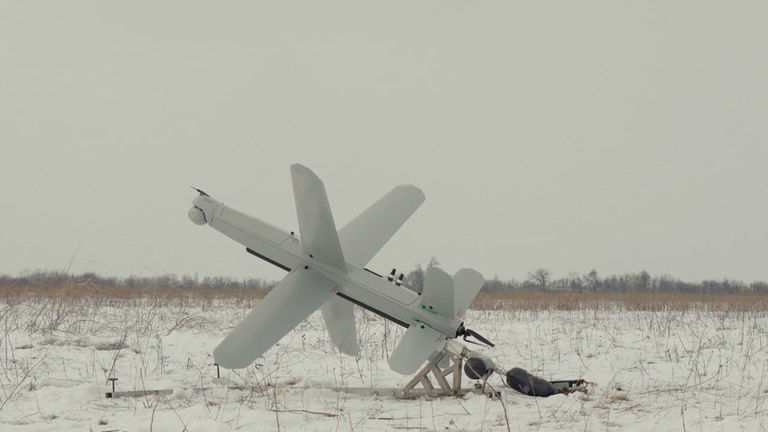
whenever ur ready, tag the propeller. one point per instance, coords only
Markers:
(200, 191)
(465, 333)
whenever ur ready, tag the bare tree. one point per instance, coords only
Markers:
(414, 280)
(574, 282)
(540, 277)
(592, 280)
(433, 262)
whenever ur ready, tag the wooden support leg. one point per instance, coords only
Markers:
(440, 377)
(445, 387)
(457, 373)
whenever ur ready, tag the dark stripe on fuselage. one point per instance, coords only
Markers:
(271, 261)
(376, 311)
(344, 296)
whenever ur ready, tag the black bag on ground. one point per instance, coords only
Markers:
(527, 384)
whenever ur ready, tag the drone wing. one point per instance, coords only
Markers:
(299, 294)
(418, 343)
(365, 235)
(321, 242)
(318, 231)
(360, 240)
(339, 317)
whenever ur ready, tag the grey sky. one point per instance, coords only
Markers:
(569, 135)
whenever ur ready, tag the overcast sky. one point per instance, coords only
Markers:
(623, 136)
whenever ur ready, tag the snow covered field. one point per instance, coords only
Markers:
(694, 370)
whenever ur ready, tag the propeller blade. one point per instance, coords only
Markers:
(480, 337)
(200, 191)
(465, 332)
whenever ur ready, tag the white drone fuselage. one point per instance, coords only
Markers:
(358, 285)
(327, 272)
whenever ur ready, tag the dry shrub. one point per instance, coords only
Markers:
(71, 308)
(103, 295)
(109, 346)
(641, 301)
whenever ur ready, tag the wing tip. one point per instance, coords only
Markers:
(351, 351)
(227, 362)
(299, 169)
(414, 190)
(438, 272)
(470, 271)
(403, 369)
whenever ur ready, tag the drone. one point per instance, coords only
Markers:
(327, 271)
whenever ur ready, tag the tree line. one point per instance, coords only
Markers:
(539, 279)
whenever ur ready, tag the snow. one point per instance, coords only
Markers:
(691, 370)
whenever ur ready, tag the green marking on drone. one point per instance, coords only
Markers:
(428, 309)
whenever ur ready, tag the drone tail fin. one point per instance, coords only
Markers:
(339, 317)
(466, 284)
(438, 294)
(418, 343)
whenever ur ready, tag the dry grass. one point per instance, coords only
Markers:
(11, 294)
(70, 307)
(570, 300)
(102, 295)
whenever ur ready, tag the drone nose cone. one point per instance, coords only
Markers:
(203, 209)
(197, 216)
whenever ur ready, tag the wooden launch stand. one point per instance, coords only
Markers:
(445, 388)
(447, 383)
